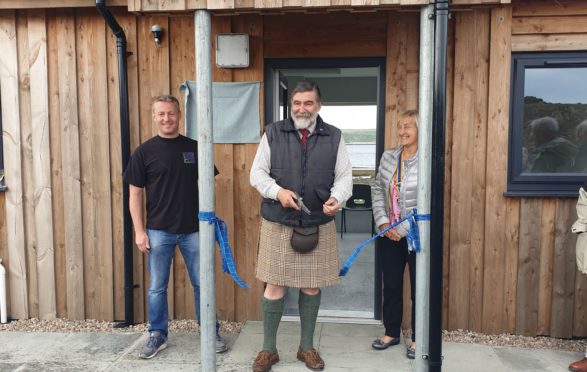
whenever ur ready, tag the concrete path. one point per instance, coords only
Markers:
(344, 347)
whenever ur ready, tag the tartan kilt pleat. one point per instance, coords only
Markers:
(279, 264)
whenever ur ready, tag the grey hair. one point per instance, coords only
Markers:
(582, 130)
(307, 86)
(546, 127)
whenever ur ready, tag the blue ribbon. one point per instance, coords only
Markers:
(221, 233)
(413, 238)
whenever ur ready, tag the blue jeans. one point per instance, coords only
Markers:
(159, 263)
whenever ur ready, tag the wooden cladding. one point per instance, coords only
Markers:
(342, 35)
(508, 261)
(539, 26)
(183, 5)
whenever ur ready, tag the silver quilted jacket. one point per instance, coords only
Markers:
(408, 191)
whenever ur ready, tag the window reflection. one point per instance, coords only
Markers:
(555, 120)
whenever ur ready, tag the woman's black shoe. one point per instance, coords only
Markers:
(411, 353)
(380, 345)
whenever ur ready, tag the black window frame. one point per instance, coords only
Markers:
(536, 184)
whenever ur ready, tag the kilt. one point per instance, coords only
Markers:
(279, 264)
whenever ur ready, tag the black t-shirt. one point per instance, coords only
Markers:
(168, 169)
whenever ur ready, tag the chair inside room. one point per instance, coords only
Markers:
(359, 201)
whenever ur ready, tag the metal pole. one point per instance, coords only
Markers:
(424, 167)
(206, 188)
(437, 200)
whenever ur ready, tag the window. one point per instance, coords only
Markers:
(548, 124)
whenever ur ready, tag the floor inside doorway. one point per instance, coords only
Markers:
(353, 297)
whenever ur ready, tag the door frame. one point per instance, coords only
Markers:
(271, 89)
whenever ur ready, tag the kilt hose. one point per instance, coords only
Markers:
(279, 264)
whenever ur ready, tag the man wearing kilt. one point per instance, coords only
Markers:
(303, 173)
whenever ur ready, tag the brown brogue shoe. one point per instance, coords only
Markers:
(264, 361)
(579, 366)
(311, 358)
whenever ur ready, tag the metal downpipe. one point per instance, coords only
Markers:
(125, 157)
(437, 200)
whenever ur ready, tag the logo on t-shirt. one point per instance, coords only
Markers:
(189, 158)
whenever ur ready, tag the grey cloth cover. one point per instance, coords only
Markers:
(235, 111)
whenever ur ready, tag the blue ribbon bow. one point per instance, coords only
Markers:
(413, 238)
(221, 233)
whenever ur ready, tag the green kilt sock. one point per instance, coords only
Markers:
(272, 311)
(308, 306)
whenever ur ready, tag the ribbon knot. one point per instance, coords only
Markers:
(221, 234)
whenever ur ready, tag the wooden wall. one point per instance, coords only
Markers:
(509, 262)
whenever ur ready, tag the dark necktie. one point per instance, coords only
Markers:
(305, 134)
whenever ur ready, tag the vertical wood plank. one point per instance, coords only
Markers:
(37, 43)
(27, 160)
(67, 96)
(153, 71)
(495, 216)
(247, 229)
(9, 93)
(448, 166)
(563, 285)
(478, 166)
(95, 164)
(412, 21)
(115, 174)
(395, 96)
(580, 308)
(468, 173)
(224, 189)
(546, 261)
(528, 268)
(512, 235)
(182, 67)
(459, 245)
(57, 197)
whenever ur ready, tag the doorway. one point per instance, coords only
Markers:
(353, 100)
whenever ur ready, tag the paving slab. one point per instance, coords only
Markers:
(344, 348)
(521, 359)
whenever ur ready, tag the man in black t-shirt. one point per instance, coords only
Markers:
(166, 167)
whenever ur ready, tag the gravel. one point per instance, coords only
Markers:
(463, 336)
(509, 340)
(91, 325)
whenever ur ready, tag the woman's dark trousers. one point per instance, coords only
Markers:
(394, 256)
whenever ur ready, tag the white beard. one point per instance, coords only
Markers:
(302, 121)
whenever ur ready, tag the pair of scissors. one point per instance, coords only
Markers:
(300, 203)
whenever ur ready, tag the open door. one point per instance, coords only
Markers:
(352, 100)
